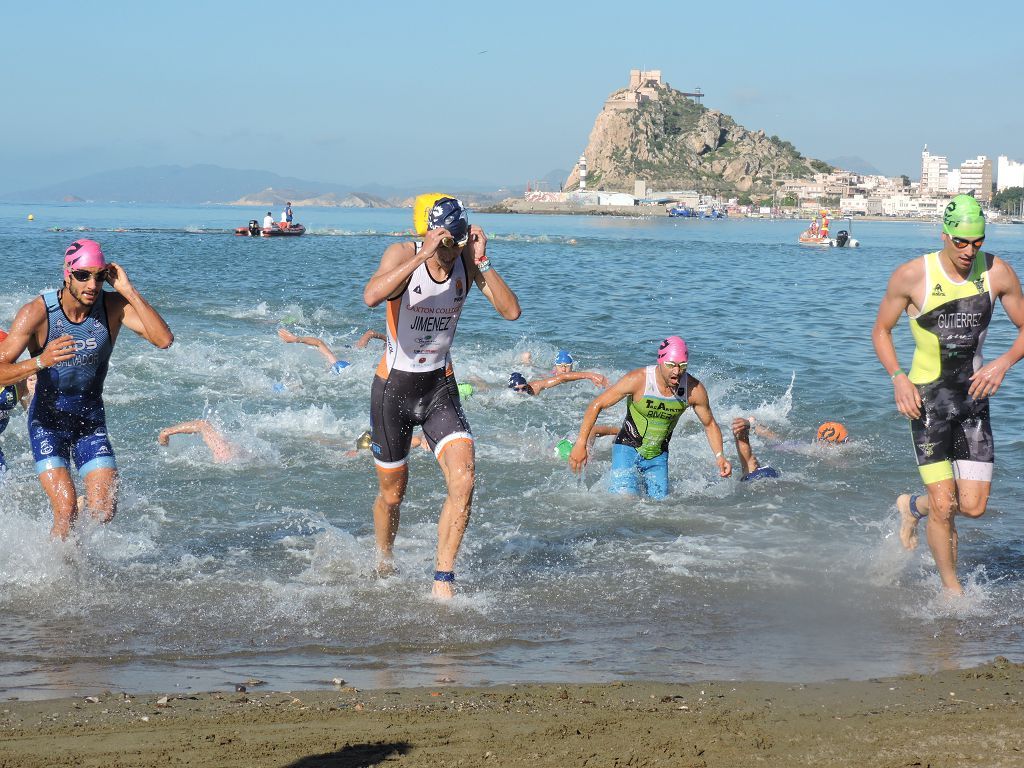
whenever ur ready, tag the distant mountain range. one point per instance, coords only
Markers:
(856, 164)
(199, 184)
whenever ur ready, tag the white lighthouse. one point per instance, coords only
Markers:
(582, 165)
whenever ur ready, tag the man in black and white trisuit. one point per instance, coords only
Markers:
(425, 285)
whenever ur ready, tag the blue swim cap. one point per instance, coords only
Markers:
(563, 358)
(279, 387)
(450, 214)
(339, 366)
(761, 473)
(516, 380)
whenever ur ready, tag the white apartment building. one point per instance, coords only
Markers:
(1009, 173)
(976, 178)
(934, 173)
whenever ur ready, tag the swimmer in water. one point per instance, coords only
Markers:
(369, 336)
(949, 296)
(70, 334)
(223, 450)
(656, 396)
(829, 433)
(317, 343)
(562, 373)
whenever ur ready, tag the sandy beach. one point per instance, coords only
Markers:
(951, 718)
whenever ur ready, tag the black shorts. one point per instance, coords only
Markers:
(953, 437)
(407, 400)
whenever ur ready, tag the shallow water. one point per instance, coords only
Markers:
(260, 568)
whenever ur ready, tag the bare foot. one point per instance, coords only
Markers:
(385, 568)
(908, 523)
(443, 590)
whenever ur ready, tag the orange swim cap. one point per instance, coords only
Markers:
(833, 432)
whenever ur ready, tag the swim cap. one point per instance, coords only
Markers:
(364, 441)
(465, 390)
(516, 379)
(279, 387)
(963, 217)
(339, 366)
(81, 254)
(833, 432)
(673, 349)
(3, 334)
(563, 358)
(563, 448)
(450, 214)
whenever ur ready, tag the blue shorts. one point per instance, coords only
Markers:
(761, 473)
(54, 436)
(633, 474)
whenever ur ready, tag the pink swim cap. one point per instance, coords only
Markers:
(81, 254)
(674, 350)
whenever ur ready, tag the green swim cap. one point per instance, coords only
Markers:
(465, 390)
(963, 218)
(563, 448)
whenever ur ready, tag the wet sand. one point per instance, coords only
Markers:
(952, 718)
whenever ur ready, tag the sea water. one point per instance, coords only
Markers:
(215, 573)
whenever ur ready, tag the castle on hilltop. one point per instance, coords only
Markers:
(644, 85)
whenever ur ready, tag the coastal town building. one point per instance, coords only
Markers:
(1009, 173)
(976, 178)
(934, 173)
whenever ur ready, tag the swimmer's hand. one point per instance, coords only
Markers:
(432, 242)
(118, 278)
(987, 379)
(740, 426)
(164, 438)
(287, 336)
(908, 399)
(57, 351)
(477, 243)
(599, 380)
(724, 466)
(578, 456)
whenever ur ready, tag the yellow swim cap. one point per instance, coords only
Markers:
(421, 210)
(364, 441)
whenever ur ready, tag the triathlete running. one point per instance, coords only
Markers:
(425, 285)
(656, 396)
(70, 334)
(949, 297)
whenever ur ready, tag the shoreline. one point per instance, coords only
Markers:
(953, 717)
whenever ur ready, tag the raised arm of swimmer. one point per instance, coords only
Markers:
(127, 307)
(397, 265)
(624, 386)
(22, 337)
(490, 283)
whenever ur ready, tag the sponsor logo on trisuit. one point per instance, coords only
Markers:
(938, 290)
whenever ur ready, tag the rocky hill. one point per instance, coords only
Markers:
(675, 143)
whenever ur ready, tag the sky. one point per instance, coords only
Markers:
(406, 93)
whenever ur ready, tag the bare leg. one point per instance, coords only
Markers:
(386, 514)
(908, 523)
(60, 489)
(941, 531)
(101, 493)
(459, 467)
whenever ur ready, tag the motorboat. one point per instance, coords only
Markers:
(844, 237)
(275, 230)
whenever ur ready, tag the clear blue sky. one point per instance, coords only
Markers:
(401, 92)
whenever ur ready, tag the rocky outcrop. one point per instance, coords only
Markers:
(675, 143)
